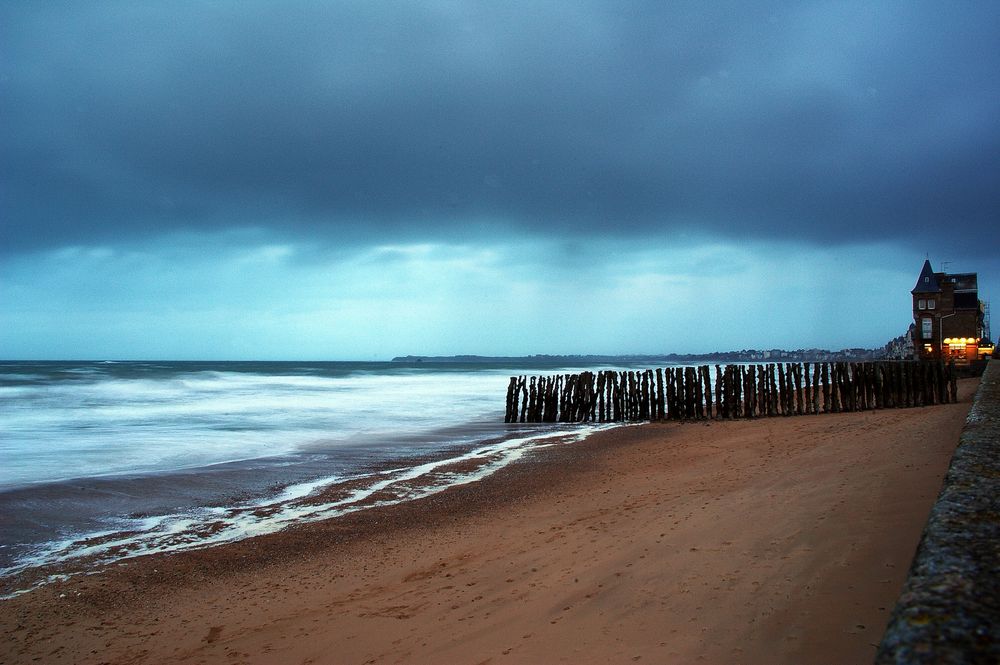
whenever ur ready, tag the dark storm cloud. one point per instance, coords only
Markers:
(341, 121)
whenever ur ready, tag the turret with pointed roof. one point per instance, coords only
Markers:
(927, 282)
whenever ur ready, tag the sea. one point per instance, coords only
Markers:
(104, 461)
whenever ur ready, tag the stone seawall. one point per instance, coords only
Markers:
(949, 610)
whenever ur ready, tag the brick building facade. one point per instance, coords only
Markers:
(948, 315)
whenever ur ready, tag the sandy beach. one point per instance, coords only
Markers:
(782, 540)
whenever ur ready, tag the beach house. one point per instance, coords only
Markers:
(950, 318)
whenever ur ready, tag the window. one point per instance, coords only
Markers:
(927, 328)
(930, 304)
(921, 304)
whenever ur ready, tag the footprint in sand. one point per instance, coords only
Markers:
(213, 634)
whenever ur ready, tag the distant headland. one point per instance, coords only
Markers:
(745, 355)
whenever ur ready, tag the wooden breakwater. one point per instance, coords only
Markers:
(736, 391)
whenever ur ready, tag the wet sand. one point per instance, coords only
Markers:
(781, 540)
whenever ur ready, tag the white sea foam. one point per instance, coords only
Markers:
(113, 425)
(204, 527)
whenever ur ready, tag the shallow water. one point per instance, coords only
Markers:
(110, 460)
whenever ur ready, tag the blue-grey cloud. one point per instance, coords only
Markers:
(342, 122)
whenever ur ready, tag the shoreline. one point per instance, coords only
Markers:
(239, 513)
(739, 541)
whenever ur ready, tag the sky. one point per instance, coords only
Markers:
(364, 179)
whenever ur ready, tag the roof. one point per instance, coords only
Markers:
(927, 282)
(966, 281)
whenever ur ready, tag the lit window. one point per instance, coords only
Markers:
(921, 304)
(930, 304)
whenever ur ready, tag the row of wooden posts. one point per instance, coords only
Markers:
(738, 391)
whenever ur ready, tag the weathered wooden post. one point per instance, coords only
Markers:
(793, 388)
(576, 399)
(616, 401)
(681, 389)
(608, 378)
(872, 385)
(630, 407)
(695, 382)
(694, 387)
(906, 399)
(807, 388)
(737, 391)
(929, 383)
(591, 397)
(858, 389)
(792, 391)
(545, 392)
(523, 396)
(864, 397)
(637, 401)
(554, 399)
(643, 381)
(510, 399)
(740, 383)
(651, 394)
(642, 404)
(573, 398)
(726, 408)
(720, 405)
(658, 394)
(762, 392)
(670, 394)
(896, 384)
(903, 389)
(756, 377)
(834, 388)
(861, 386)
(782, 390)
(543, 385)
(891, 390)
(802, 388)
(849, 388)
(823, 372)
(878, 384)
(769, 391)
(609, 382)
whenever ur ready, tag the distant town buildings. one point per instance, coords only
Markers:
(950, 321)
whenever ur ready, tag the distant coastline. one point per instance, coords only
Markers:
(746, 355)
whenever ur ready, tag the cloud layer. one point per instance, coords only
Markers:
(357, 122)
(363, 179)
